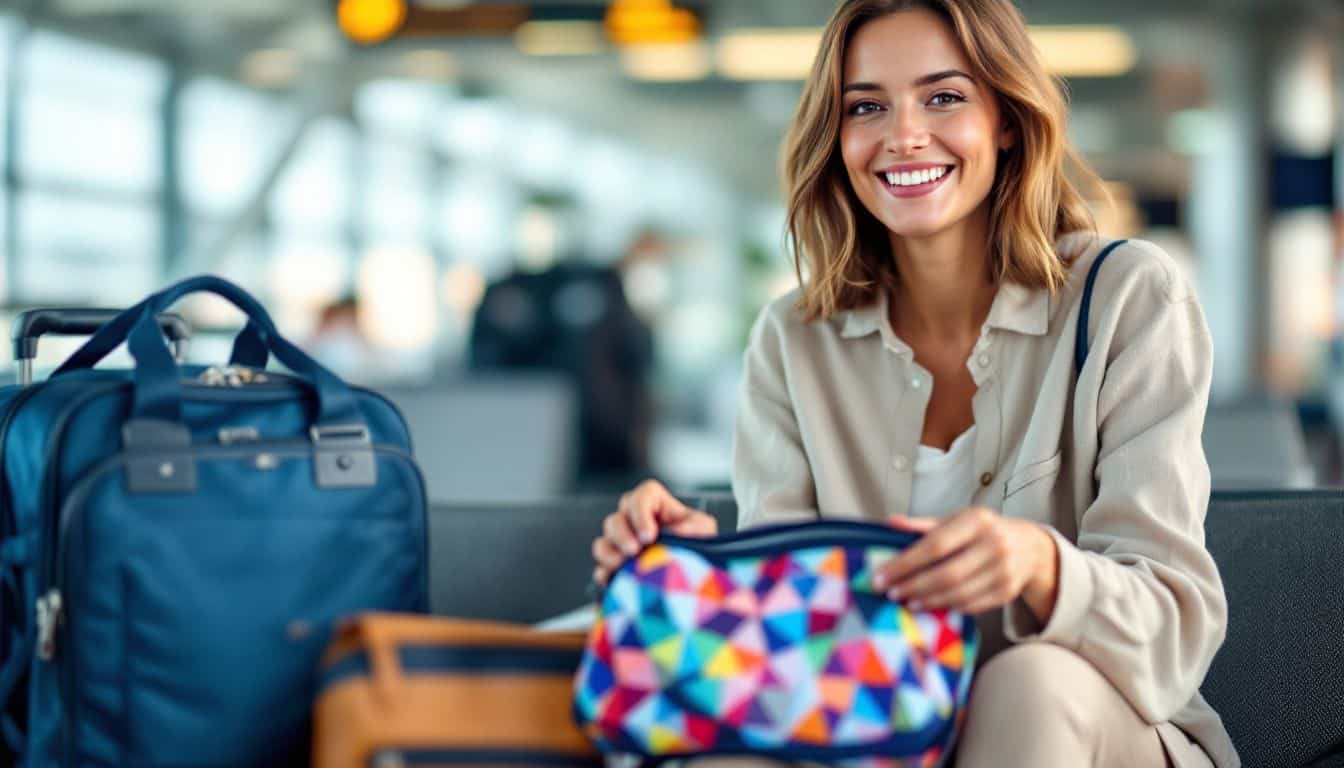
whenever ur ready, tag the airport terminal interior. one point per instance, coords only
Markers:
(543, 229)
(369, 184)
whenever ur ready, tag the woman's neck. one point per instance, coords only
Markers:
(945, 288)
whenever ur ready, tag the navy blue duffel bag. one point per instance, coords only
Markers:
(178, 545)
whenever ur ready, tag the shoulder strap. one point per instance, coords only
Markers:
(1080, 344)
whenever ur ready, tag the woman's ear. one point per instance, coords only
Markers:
(1007, 138)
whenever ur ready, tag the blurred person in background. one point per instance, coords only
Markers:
(338, 342)
(924, 375)
(573, 317)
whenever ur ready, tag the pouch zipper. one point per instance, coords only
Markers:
(772, 539)
(420, 756)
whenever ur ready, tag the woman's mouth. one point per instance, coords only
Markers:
(915, 183)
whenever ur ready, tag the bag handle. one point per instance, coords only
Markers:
(249, 346)
(343, 455)
(158, 390)
(1080, 343)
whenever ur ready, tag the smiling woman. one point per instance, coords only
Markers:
(961, 80)
(926, 374)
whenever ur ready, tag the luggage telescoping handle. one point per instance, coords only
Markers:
(32, 324)
(249, 347)
(340, 433)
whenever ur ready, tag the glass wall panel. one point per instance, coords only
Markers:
(90, 116)
(92, 251)
(317, 189)
(230, 136)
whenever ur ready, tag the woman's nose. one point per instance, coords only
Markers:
(907, 132)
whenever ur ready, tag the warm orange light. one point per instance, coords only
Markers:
(370, 21)
(650, 22)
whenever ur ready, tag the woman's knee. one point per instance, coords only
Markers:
(1033, 681)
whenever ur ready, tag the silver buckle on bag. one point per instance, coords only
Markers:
(343, 456)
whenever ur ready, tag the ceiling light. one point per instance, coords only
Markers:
(1084, 51)
(666, 63)
(370, 21)
(768, 54)
(650, 22)
(559, 38)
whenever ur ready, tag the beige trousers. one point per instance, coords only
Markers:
(1044, 706)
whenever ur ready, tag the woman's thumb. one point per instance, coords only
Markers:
(671, 511)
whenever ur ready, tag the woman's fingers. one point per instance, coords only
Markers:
(912, 524)
(608, 559)
(639, 515)
(695, 523)
(943, 577)
(606, 555)
(945, 539)
(617, 530)
(982, 587)
(652, 507)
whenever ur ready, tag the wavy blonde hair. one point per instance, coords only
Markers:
(846, 250)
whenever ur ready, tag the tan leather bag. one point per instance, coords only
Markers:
(410, 691)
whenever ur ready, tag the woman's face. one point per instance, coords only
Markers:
(920, 139)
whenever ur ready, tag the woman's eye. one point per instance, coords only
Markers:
(945, 99)
(863, 108)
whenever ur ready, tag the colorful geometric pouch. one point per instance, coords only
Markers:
(773, 642)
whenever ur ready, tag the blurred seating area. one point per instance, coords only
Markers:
(1278, 553)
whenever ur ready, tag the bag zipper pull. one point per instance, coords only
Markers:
(48, 617)
(231, 376)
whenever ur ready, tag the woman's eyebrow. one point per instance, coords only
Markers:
(922, 80)
(860, 87)
(943, 75)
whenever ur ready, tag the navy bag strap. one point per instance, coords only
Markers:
(249, 347)
(157, 388)
(1080, 344)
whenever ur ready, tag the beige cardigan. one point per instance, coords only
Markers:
(831, 413)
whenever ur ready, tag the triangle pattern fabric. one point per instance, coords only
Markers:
(773, 650)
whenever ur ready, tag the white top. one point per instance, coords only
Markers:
(945, 481)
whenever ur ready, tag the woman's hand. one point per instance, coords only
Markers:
(973, 561)
(641, 514)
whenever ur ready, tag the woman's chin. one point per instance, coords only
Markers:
(915, 230)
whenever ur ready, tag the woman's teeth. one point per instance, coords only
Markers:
(913, 178)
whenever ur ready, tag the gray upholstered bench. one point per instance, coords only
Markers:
(1278, 681)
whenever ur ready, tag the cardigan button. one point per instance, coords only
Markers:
(986, 479)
